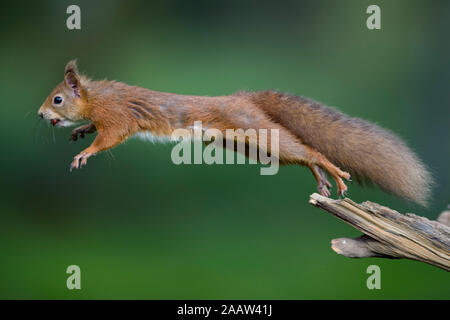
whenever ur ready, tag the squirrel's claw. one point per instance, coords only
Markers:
(323, 190)
(74, 136)
(323, 185)
(80, 160)
(341, 188)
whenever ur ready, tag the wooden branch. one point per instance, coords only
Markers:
(389, 234)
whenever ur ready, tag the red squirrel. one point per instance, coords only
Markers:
(310, 134)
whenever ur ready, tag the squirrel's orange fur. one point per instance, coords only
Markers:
(310, 134)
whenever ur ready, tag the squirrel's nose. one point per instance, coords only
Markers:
(41, 114)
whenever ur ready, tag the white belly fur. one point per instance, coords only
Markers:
(148, 136)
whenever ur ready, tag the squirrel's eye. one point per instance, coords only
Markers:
(57, 100)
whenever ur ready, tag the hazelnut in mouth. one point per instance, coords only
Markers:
(54, 121)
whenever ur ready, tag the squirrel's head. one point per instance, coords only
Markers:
(66, 104)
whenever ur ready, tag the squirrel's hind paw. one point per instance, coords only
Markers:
(341, 187)
(323, 190)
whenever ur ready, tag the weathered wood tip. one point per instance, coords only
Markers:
(389, 234)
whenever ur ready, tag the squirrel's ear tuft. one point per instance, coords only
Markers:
(72, 79)
(71, 66)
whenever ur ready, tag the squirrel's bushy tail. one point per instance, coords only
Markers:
(365, 150)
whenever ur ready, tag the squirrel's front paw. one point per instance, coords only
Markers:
(82, 131)
(80, 160)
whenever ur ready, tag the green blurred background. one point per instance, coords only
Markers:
(142, 227)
